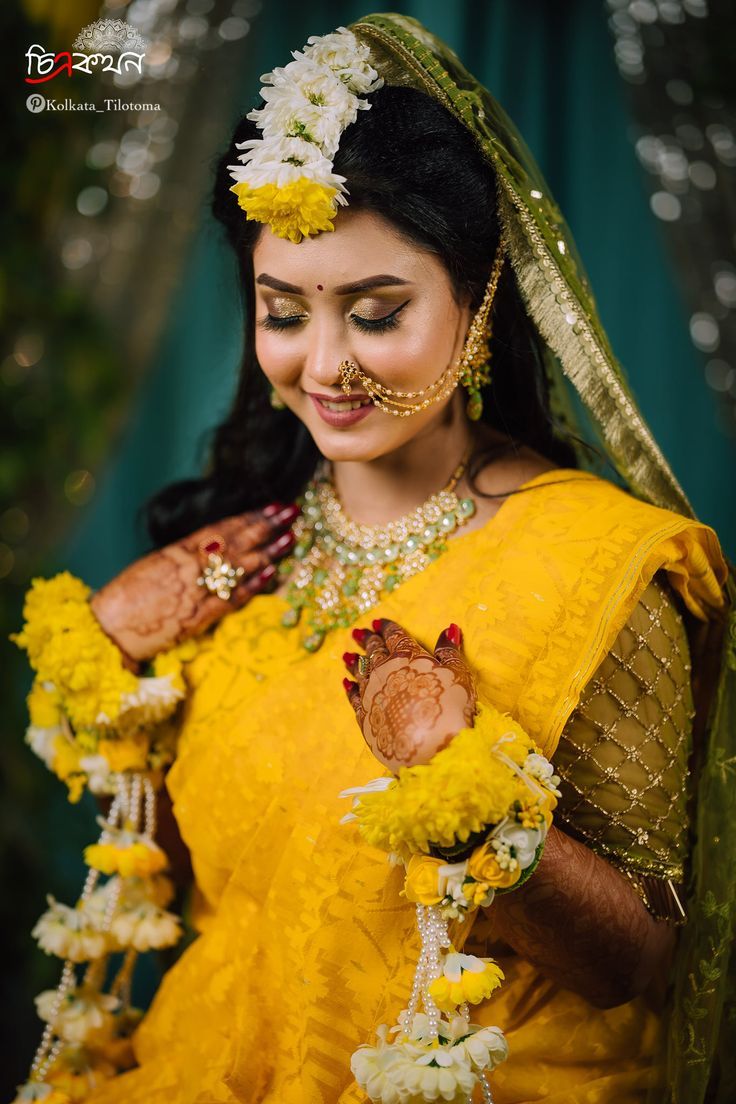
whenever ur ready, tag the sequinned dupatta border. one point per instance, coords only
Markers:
(559, 301)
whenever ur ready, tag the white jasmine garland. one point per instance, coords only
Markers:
(145, 927)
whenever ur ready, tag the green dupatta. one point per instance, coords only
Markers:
(590, 394)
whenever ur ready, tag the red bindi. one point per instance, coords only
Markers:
(320, 287)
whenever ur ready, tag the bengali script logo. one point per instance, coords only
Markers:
(110, 45)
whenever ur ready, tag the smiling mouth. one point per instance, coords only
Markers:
(340, 407)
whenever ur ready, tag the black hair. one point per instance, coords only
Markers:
(409, 160)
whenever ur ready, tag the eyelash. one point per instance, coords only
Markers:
(367, 325)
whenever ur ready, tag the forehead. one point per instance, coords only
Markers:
(362, 243)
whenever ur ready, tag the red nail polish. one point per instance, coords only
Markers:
(272, 508)
(347, 685)
(286, 515)
(454, 634)
(265, 576)
(349, 658)
(283, 544)
(377, 624)
(359, 636)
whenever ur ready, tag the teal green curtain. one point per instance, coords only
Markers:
(551, 65)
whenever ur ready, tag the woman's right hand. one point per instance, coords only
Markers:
(156, 602)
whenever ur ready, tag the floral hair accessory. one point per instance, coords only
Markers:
(287, 180)
(469, 824)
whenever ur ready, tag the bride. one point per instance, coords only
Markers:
(422, 364)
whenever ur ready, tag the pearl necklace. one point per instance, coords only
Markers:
(340, 569)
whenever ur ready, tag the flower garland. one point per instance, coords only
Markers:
(287, 179)
(98, 726)
(467, 825)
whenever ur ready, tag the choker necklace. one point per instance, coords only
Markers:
(340, 569)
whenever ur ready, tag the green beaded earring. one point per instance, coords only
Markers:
(475, 359)
(276, 401)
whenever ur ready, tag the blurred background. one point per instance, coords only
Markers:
(120, 317)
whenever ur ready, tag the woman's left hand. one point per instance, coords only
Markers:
(409, 702)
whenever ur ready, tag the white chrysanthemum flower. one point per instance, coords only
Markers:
(284, 161)
(378, 1070)
(344, 55)
(84, 1013)
(292, 115)
(156, 695)
(438, 1075)
(73, 933)
(41, 742)
(100, 779)
(523, 841)
(304, 83)
(484, 1047)
(145, 927)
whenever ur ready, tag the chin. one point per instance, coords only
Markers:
(350, 445)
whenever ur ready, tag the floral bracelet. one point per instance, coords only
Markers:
(97, 726)
(467, 825)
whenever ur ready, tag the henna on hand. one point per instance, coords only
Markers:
(581, 922)
(409, 702)
(156, 603)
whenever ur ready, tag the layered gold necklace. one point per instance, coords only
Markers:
(340, 569)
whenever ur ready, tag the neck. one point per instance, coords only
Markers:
(374, 492)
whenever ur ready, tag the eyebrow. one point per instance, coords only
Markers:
(367, 284)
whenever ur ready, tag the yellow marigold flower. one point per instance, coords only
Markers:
(295, 211)
(465, 978)
(133, 857)
(129, 754)
(422, 880)
(483, 865)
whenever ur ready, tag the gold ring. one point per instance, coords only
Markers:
(218, 576)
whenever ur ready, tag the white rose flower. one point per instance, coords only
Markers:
(524, 841)
(83, 1013)
(73, 933)
(538, 766)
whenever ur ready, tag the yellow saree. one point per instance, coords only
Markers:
(305, 943)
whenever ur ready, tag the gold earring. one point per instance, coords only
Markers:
(475, 359)
(472, 368)
(275, 399)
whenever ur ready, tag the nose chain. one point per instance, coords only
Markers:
(340, 569)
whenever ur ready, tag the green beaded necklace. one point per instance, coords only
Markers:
(340, 569)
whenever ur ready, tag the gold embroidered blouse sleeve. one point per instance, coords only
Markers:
(623, 755)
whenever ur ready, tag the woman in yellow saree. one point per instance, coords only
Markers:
(582, 609)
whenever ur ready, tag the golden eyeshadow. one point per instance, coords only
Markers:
(282, 307)
(374, 309)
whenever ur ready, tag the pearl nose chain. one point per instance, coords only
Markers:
(472, 367)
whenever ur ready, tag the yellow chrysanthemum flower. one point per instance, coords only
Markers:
(67, 647)
(462, 790)
(465, 978)
(295, 211)
(137, 858)
(66, 766)
(44, 705)
(128, 754)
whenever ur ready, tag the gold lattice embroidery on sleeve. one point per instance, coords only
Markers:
(623, 755)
